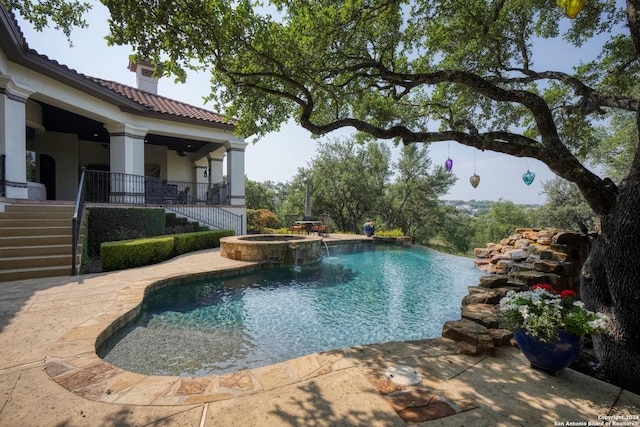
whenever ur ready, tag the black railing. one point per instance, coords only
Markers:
(76, 223)
(102, 187)
(3, 175)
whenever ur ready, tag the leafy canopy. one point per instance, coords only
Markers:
(413, 71)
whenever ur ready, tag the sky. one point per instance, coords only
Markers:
(277, 156)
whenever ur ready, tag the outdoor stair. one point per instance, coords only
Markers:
(35, 241)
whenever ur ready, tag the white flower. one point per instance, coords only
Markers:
(578, 304)
(598, 323)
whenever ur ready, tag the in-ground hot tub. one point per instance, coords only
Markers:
(283, 249)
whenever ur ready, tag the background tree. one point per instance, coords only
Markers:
(564, 208)
(348, 181)
(259, 195)
(398, 70)
(500, 222)
(411, 202)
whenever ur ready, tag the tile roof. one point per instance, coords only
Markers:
(13, 38)
(161, 104)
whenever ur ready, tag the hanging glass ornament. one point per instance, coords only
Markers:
(448, 165)
(528, 177)
(475, 178)
(571, 8)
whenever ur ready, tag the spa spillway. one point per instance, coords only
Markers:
(281, 249)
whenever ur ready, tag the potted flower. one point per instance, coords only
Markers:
(369, 228)
(549, 326)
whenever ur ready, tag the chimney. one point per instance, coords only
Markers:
(144, 76)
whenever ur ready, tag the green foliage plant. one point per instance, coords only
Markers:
(190, 242)
(136, 253)
(259, 219)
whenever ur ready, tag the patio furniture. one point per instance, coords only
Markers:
(323, 228)
(292, 227)
(308, 225)
(183, 195)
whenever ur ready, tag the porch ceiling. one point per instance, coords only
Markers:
(58, 120)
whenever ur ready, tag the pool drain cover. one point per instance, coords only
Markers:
(403, 375)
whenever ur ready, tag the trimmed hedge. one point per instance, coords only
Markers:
(117, 224)
(136, 253)
(190, 242)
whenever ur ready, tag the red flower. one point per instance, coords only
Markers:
(542, 286)
(568, 294)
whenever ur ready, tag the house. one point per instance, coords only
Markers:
(56, 122)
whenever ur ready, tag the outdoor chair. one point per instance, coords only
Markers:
(323, 228)
(183, 195)
(292, 227)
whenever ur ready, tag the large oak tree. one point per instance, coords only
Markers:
(430, 71)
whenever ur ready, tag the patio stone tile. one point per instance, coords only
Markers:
(272, 376)
(147, 391)
(86, 376)
(123, 381)
(54, 369)
(204, 398)
(236, 381)
(191, 385)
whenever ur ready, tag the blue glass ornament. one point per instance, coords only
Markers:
(528, 177)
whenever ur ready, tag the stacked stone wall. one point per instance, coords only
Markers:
(526, 258)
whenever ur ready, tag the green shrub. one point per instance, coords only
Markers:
(189, 242)
(115, 224)
(389, 233)
(136, 253)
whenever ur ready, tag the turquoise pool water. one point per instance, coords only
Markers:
(374, 293)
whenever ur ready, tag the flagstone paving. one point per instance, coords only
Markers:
(50, 374)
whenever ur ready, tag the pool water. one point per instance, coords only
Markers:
(376, 293)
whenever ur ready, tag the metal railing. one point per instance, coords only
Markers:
(3, 175)
(183, 198)
(207, 214)
(76, 223)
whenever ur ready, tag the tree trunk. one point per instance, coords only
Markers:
(611, 284)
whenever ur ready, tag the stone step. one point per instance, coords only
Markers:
(35, 241)
(482, 314)
(28, 241)
(31, 262)
(35, 222)
(33, 231)
(37, 215)
(24, 251)
(34, 273)
(40, 208)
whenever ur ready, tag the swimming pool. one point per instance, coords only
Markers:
(361, 294)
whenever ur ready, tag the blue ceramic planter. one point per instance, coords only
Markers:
(368, 230)
(553, 356)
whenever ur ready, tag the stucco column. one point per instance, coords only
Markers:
(235, 172)
(126, 155)
(13, 136)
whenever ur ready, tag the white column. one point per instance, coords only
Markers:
(235, 172)
(13, 136)
(126, 155)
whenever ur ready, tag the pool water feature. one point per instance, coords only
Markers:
(278, 249)
(375, 293)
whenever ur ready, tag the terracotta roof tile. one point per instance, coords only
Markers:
(162, 104)
(148, 101)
